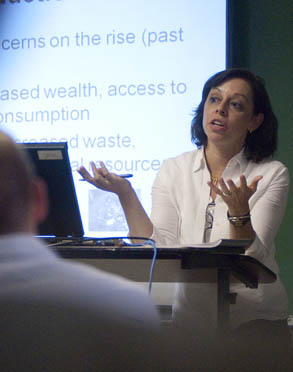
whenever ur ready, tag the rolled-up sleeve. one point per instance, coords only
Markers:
(165, 215)
(267, 211)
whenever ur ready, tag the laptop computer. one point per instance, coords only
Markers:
(52, 164)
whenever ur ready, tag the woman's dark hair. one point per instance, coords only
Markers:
(260, 143)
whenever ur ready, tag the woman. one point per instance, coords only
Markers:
(230, 187)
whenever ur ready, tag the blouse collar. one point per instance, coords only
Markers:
(200, 161)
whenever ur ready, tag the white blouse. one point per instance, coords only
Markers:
(180, 196)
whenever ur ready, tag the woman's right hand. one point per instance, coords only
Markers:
(105, 180)
(138, 221)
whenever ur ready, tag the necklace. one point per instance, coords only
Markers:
(214, 180)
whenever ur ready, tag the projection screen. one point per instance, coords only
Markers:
(118, 80)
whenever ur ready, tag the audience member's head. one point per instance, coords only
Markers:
(23, 196)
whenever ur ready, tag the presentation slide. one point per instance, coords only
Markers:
(118, 80)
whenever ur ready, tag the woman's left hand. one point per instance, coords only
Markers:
(236, 197)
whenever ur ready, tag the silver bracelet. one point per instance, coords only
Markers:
(238, 221)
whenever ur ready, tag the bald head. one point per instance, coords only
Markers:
(18, 189)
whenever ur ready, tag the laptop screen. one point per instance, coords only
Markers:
(52, 164)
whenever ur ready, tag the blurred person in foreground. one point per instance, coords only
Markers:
(56, 315)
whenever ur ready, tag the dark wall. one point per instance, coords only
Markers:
(263, 42)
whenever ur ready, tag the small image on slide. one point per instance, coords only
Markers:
(105, 212)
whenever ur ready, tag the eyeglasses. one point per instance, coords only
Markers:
(209, 220)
